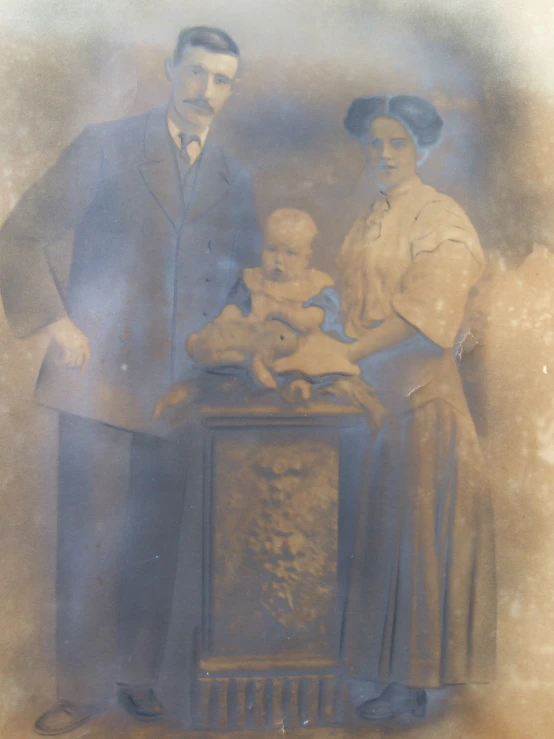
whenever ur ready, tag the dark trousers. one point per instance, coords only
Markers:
(120, 506)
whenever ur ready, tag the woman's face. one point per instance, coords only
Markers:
(391, 152)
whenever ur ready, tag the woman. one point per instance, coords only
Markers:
(421, 606)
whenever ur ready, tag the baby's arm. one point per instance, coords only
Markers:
(300, 318)
(229, 313)
(225, 340)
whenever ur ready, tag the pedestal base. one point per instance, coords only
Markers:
(286, 702)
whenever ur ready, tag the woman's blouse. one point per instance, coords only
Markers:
(416, 255)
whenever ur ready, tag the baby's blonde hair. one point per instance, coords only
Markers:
(297, 226)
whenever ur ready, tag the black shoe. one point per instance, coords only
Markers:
(140, 703)
(65, 717)
(395, 701)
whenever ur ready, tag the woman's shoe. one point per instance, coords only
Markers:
(395, 701)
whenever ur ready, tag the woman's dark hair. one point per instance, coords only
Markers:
(418, 116)
(210, 38)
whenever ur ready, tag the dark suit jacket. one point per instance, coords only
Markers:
(146, 268)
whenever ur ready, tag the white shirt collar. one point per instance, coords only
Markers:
(193, 149)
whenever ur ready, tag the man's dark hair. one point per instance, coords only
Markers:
(209, 38)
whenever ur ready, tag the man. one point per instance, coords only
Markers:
(161, 222)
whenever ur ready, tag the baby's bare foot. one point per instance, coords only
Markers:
(262, 374)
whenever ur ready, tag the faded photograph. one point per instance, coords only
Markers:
(275, 369)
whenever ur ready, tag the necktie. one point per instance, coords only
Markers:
(190, 148)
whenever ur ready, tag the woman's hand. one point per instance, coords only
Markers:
(318, 354)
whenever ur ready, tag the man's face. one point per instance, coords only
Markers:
(201, 83)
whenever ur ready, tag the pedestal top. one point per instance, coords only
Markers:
(258, 409)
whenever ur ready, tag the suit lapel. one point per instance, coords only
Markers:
(159, 168)
(210, 184)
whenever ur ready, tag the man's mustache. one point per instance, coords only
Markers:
(200, 103)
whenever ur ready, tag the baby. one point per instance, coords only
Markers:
(277, 293)
(273, 314)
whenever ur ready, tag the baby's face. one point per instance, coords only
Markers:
(283, 261)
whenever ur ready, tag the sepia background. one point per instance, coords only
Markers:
(488, 65)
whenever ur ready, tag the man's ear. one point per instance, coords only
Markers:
(236, 79)
(169, 68)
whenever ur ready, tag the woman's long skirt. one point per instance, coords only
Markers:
(421, 607)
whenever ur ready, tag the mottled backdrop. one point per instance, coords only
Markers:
(488, 65)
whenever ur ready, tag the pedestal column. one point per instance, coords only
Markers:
(269, 649)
